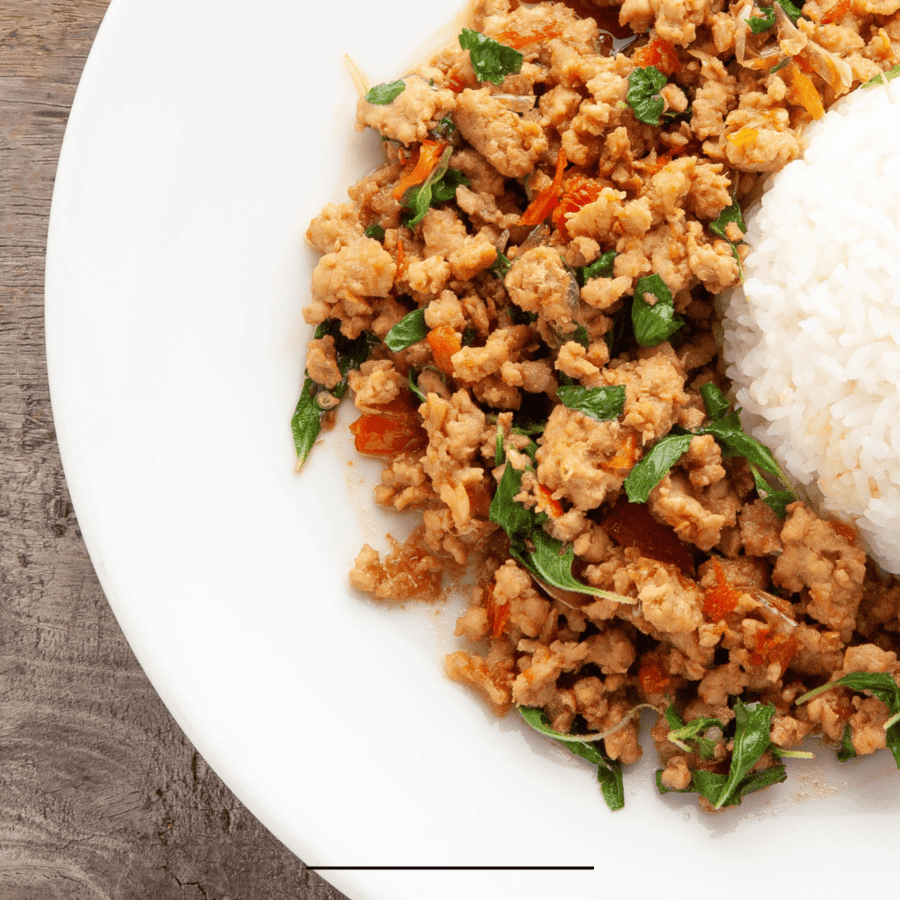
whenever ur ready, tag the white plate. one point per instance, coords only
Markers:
(203, 138)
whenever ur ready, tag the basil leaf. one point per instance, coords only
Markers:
(549, 560)
(778, 501)
(714, 400)
(410, 329)
(376, 232)
(544, 557)
(643, 96)
(711, 784)
(491, 60)
(601, 403)
(731, 214)
(847, 751)
(884, 77)
(445, 129)
(306, 422)
(654, 324)
(728, 215)
(880, 685)
(412, 381)
(383, 94)
(600, 268)
(680, 733)
(609, 772)
(728, 432)
(506, 511)
(500, 267)
(440, 186)
(445, 188)
(651, 470)
(759, 24)
(793, 11)
(726, 429)
(751, 740)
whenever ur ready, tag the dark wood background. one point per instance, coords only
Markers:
(101, 794)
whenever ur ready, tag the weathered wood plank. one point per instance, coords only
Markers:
(102, 795)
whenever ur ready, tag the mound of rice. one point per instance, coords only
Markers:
(812, 342)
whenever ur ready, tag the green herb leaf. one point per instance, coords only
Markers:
(609, 772)
(579, 335)
(445, 189)
(412, 381)
(883, 77)
(777, 500)
(376, 232)
(491, 60)
(306, 422)
(600, 268)
(711, 784)
(410, 329)
(500, 267)
(440, 186)
(794, 12)
(751, 740)
(714, 400)
(654, 323)
(759, 24)
(643, 95)
(648, 473)
(445, 129)
(726, 429)
(847, 751)
(546, 558)
(728, 215)
(506, 511)
(694, 731)
(383, 94)
(601, 403)
(880, 685)
(736, 442)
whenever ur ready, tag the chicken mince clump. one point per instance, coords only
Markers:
(520, 301)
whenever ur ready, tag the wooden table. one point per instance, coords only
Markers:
(101, 795)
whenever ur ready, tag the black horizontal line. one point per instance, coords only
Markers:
(456, 868)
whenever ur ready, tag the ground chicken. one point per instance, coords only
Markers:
(489, 342)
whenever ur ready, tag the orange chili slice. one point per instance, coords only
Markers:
(430, 153)
(549, 502)
(444, 342)
(517, 41)
(746, 135)
(653, 678)
(722, 598)
(773, 647)
(497, 614)
(803, 92)
(578, 192)
(545, 202)
(836, 12)
(658, 53)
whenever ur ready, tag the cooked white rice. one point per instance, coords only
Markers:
(812, 342)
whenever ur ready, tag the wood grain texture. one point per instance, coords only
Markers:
(101, 795)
